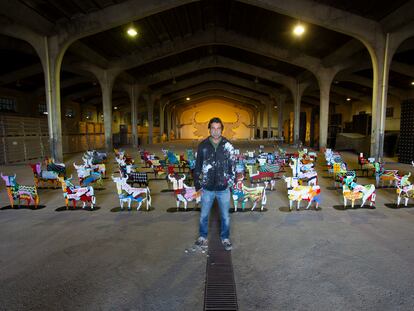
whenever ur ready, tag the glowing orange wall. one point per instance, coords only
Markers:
(204, 111)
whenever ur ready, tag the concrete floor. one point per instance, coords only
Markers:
(332, 259)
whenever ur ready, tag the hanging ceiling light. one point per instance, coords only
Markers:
(188, 98)
(132, 32)
(348, 99)
(299, 29)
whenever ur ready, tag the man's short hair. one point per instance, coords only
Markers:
(215, 120)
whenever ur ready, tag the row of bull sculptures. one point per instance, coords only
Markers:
(353, 191)
(261, 169)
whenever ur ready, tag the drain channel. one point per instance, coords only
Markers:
(220, 289)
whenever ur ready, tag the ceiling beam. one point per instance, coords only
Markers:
(216, 85)
(215, 76)
(218, 62)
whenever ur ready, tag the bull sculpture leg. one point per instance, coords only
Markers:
(272, 184)
(93, 201)
(264, 199)
(180, 198)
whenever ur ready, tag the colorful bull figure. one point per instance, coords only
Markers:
(331, 158)
(140, 178)
(191, 159)
(72, 193)
(48, 177)
(183, 192)
(240, 192)
(353, 191)
(306, 157)
(120, 154)
(298, 167)
(134, 177)
(51, 165)
(87, 176)
(304, 173)
(172, 158)
(126, 193)
(405, 189)
(257, 176)
(96, 156)
(147, 158)
(99, 168)
(382, 175)
(366, 165)
(20, 192)
(298, 193)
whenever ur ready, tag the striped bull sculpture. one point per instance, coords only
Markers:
(42, 176)
(128, 194)
(72, 193)
(19, 192)
(298, 193)
(257, 195)
(405, 190)
(183, 193)
(353, 191)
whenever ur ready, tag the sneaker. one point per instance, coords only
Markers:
(227, 244)
(201, 242)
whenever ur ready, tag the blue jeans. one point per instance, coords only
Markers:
(223, 199)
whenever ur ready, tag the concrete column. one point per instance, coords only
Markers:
(252, 119)
(173, 123)
(51, 58)
(134, 91)
(168, 113)
(150, 108)
(297, 97)
(163, 103)
(379, 97)
(261, 122)
(256, 122)
(280, 104)
(296, 116)
(106, 80)
(325, 80)
(269, 117)
(177, 124)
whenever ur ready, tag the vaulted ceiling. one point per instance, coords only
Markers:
(199, 41)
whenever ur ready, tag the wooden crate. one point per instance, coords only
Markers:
(82, 127)
(12, 126)
(90, 127)
(15, 149)
(30, 126)
(2, 151)
(33, 147)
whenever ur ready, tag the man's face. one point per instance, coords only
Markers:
(215, 130)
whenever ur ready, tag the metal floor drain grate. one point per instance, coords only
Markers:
(220, 289)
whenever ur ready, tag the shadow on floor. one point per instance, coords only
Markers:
(356, 206)
(285, 209)
(22, 207)
(248, 209)
(181, 209)
(78, 208)
(133, 209)
(395, 206)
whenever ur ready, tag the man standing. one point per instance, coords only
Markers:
(214, 174)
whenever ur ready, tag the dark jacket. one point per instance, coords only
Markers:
(215, 169)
